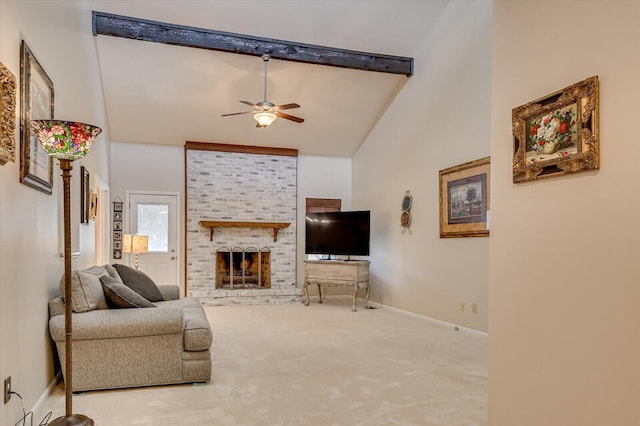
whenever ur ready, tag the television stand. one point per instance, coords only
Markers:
(333, 273)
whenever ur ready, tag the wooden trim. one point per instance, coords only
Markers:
(202, 38)
(242, 149)
(211, 224)
(321, 205)
(186, 203)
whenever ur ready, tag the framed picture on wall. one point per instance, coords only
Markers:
(464, 199)
(7, 115)
(85, 198)
(558, 133)
(36, 100)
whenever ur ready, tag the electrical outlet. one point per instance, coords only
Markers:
(7, 389)
(462, 307)
(474, 308)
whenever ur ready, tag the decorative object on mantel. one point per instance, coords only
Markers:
(211, 224)
(117, 228)
(135, 244)
(405, 218)
(36, 101)
(7, 116)
(558, 133)
(464, 199)
(67, 141)
(266, 112)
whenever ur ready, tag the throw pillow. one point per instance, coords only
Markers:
(121, 296)
(112, 272)
(86, 290)
(139, 282)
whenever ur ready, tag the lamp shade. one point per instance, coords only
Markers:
(65, 140)
(134, 243)
(264, 118)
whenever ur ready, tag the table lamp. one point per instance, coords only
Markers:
(136, 244)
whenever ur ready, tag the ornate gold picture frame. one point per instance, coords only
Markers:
(36, 101)
(464, 199)
(7, 116)
(557, 133)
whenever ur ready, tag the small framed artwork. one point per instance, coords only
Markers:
(117, 245)
(7, 116)
(36, 100)
(117, 216)
(558, 133)
(117, 206)
(117, 254)
(464, 199)
(117, 226)
(93, 205)
(117, 235)
(85, 198)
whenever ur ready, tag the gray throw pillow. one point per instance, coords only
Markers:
(120, 296)
(86, 290)
(112, 272)
(139, 282)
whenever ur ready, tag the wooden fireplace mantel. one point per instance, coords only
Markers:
(212, 224)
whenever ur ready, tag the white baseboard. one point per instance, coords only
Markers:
(431, 320)
(47, 392)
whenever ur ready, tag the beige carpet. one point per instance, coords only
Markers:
(315, 365)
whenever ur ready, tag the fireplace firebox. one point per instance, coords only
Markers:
(241, 268)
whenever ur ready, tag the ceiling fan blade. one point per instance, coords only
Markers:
(286, 106)
(248, 103)
(289, 117)
(237, 113)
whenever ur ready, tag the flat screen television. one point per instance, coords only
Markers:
(337, 233)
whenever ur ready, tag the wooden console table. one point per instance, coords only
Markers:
(332, 273)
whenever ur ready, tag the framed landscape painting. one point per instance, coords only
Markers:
(464, 199)
(557, 133)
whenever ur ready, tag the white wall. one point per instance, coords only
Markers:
(148, 167)
(564, 273)
(320, 177)
(59, 34)
(441, 118)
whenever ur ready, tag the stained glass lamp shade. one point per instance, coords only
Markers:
(67, 141)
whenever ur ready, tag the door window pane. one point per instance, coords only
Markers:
(153, 220)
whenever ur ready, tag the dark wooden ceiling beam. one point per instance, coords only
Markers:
(201, 38)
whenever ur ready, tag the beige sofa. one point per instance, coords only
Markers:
(118, 348)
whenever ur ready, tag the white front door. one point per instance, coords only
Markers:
(156, 215)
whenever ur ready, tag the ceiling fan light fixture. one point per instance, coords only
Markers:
(264, 118)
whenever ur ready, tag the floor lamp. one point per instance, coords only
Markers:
(67, 141)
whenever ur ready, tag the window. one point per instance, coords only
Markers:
(153, 220)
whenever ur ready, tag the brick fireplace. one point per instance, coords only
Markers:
(244, 264)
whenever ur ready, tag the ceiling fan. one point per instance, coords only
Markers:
(266, 112)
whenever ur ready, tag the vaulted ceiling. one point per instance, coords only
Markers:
(165, 94)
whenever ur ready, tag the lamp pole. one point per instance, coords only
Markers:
(69, 418)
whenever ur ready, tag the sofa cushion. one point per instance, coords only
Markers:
(86, 289)
(120, 296)
(113, 273)
(139, 282)
(197, 331)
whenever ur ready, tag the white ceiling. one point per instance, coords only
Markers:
(163, 94)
